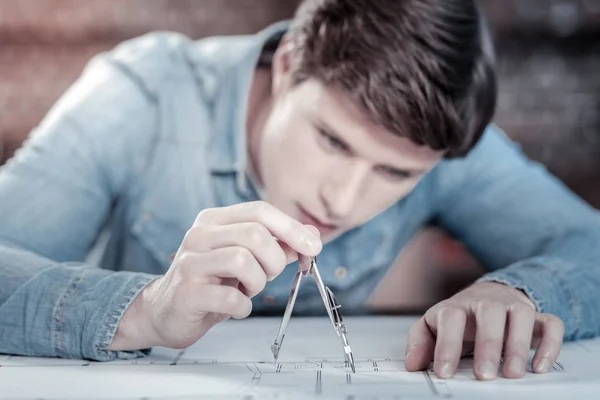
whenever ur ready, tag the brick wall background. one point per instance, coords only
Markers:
(549, 58)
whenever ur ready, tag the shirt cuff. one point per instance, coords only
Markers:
(545, 281)
(100, 304)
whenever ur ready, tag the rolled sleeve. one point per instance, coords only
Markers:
(549, 283)
(103, 313)
(69, 311)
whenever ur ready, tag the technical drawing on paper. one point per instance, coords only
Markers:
(234, 362)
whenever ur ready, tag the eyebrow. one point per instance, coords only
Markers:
(320, 124)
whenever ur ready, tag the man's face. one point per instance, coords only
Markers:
(324, 163)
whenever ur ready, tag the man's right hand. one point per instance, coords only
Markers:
(225, 259)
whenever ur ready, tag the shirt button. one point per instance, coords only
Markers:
(269, 300)
(341, 273)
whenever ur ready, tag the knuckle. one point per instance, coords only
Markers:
(231, 299)
(193, 237)
(257, 234)
(205, 215)
(483, 304)
(554, 322)
(450, 312)
(522, 308)
(241, 258)
(486, 305)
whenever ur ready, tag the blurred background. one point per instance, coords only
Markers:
(549, 63)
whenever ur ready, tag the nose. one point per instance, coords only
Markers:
(341, 189)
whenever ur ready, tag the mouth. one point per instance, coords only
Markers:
(307, 218)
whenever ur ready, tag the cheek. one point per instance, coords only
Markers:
(380, 195)
(296, 145)
(286, 151)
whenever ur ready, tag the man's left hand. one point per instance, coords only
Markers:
(491, 319)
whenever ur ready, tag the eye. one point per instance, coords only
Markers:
(393, 174)
(332, 142)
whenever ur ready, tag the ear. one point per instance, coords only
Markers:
(281, 67)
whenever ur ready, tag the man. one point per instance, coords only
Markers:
(194, 172)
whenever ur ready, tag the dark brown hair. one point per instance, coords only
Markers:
(423, 69)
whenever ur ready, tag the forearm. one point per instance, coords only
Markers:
(62, 310)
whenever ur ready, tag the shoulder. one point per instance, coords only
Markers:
(150, 60)
(133, 78)
(170, 58)
(494, 148)
(494, 157)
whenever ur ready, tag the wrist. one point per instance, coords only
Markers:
(135, 330)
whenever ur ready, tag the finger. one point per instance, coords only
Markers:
(223, 300)
(251, 235)
(419, 346)
(451, 323)
(281, 225)
(490, 318)
(546, 354)
(521, 319)
(304, 262)
(227, 262)
(314, 230)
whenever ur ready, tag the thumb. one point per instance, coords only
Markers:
(291, 255)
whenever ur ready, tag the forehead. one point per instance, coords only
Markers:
(335, 109)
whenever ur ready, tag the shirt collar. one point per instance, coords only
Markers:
(227, 151)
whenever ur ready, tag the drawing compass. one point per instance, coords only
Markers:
(308, 265)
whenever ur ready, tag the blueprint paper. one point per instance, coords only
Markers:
(234, 361)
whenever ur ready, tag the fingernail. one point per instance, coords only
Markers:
(446, 370)
(516, 365)
(487, 370)
(543, 366)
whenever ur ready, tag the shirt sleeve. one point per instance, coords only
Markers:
(527, 229)
(55, 196)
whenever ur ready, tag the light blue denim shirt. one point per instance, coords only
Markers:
(103, 192)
